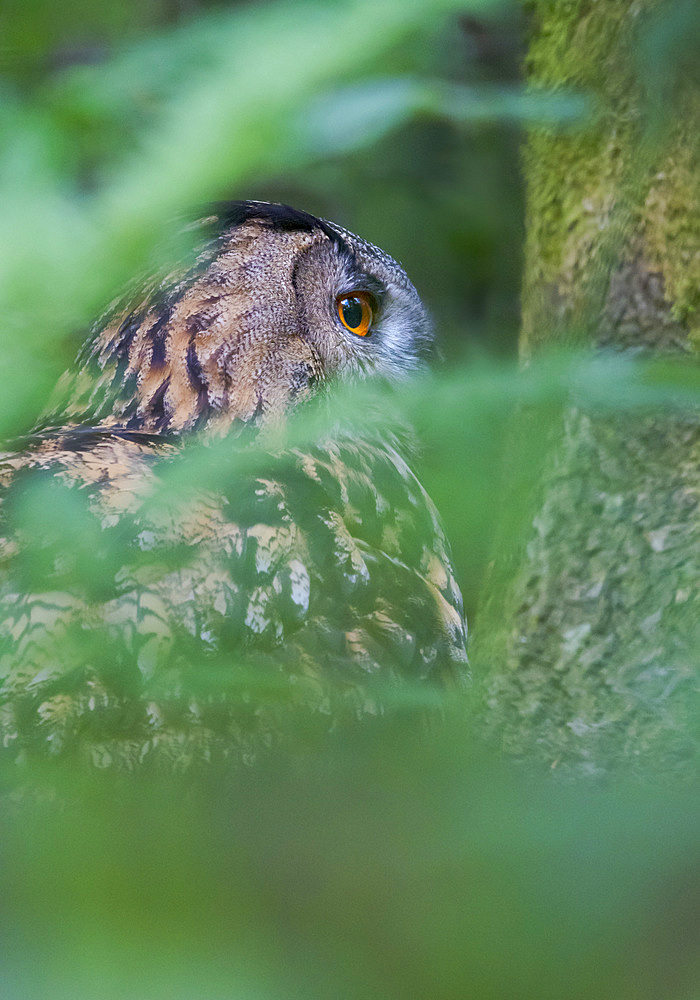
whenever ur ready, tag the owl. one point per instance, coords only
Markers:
(178, 577)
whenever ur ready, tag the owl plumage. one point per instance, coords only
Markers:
(310, 573)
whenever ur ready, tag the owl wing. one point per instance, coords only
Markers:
(176, 627)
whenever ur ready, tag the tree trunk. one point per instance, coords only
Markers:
(587, 644)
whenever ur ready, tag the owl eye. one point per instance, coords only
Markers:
(356, 312)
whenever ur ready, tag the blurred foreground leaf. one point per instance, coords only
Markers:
(385, 865)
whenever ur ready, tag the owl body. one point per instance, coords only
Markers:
(184, 620)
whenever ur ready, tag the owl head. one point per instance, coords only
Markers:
(278, 305)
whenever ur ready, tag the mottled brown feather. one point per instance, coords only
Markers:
(320, 569)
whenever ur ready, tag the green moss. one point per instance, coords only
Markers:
(672, 220)
(622, 181)
(586, 641)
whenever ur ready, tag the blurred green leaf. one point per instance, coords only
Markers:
(365, 112)
(333, 874)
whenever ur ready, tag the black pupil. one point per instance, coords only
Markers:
(352, 312)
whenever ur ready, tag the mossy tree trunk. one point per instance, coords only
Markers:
(587, 644)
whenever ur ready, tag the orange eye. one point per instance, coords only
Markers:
(355, 312)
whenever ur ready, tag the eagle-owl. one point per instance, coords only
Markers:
(180, 627)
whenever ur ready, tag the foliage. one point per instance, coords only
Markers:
(387, 858)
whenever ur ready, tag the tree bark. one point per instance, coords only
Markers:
(587, 642)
